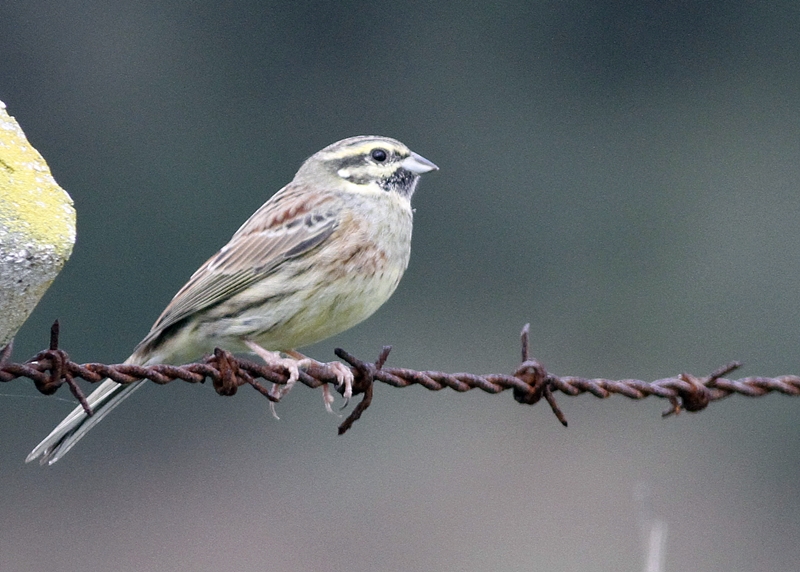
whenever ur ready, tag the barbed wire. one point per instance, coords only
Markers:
(530, 382)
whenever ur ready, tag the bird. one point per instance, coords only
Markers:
(320, 256)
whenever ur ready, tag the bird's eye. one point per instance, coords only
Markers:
(379, 155)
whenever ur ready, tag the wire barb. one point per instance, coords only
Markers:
(364, 378)
(539, 383)
(530, 382)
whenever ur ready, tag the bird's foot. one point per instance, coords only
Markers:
(290, 364)
(344, 377)
(342, 373)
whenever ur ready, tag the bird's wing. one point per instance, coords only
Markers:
(292, 222)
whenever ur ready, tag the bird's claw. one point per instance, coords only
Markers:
(344, 376)
(291, 365)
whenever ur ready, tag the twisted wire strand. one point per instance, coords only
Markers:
(530, 382)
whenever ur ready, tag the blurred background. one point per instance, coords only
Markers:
(622, 175)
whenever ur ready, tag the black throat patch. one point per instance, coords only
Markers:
(402, 181)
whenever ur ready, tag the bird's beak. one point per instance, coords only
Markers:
(418, 164)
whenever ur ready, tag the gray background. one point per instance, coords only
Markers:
(623, 175)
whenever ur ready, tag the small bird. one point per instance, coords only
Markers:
(317, 258)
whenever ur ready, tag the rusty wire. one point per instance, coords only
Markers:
(530, 382)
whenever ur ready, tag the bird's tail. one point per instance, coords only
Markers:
(75, 425)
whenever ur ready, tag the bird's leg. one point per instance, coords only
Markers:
(275, 359)
(341, 371)
(293, 363)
